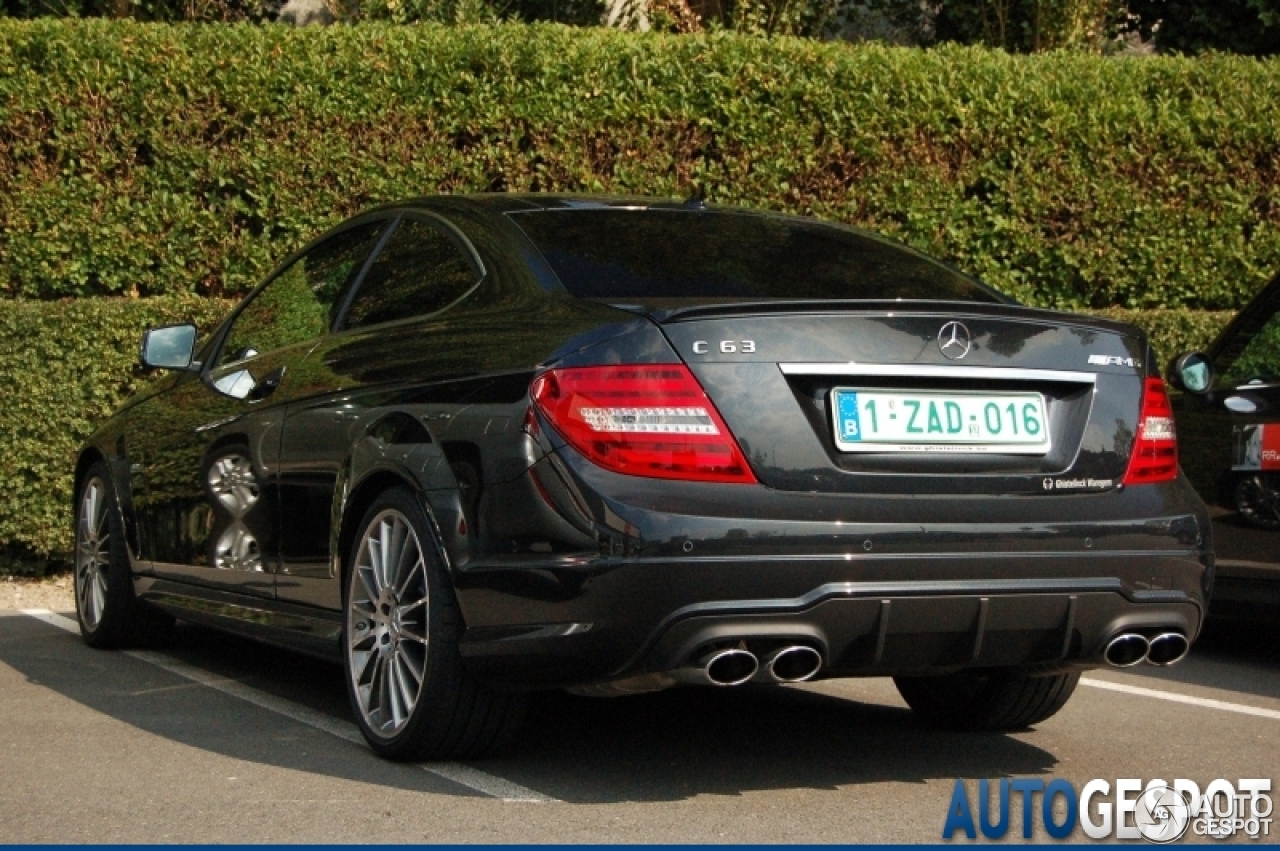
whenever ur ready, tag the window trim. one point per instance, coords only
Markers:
(220, 335)
(451, 232)
(1248, 323)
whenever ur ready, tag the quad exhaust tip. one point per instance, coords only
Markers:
(730, 667)
(1130, 648)
(793, 664)
(1168, 648)
(1126, 650)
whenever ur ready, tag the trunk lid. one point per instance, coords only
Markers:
(778, 372)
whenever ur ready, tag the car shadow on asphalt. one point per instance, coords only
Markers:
(678, 744)
(666, 746)
(177, 710)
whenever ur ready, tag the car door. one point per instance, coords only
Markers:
(209, 504)
(364, 386)
(1229, 446)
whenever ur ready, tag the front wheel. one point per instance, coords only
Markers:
(411, 694)
(988, 700)
(110, 614)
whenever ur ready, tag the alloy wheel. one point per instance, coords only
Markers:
(387, 623)
(93, 552)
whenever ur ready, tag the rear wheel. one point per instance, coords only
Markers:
(109, 612)
(990, 700)
(411, 694)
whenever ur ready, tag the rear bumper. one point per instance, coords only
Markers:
(880, 585)
(614, 619)
(899, 628)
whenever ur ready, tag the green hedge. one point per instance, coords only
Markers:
(155, 159)
(67, 365)
(1173, 332)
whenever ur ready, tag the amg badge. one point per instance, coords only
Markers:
(1108, 360)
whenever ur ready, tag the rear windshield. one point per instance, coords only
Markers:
(680, 256)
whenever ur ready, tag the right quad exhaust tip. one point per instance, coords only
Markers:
(794, 664)
(1168, 648)
(1131, 648)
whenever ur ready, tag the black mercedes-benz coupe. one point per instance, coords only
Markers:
(477, 446)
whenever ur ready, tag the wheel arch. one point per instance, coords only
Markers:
(89, 456)
(362, 494)
(116, 468)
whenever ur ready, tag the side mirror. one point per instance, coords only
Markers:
(1192, 372)
(170, 347)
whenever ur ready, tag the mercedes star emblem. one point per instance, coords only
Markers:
(954, 340)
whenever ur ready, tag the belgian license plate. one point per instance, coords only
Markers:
(928, 421)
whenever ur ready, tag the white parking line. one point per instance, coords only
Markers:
(1174, 697)
(464, 775)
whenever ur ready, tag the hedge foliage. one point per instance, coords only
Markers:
(66, 365)
(153, 159)
(1173, 332)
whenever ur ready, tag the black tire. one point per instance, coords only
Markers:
(110, 614)
(453, 716)
(986, 700)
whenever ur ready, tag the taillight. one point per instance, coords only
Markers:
(1155, 449)
(642, 420)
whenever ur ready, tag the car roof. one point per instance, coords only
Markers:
(513, 202)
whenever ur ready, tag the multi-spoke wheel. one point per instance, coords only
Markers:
(93, 553)
(387, 622)
(411, 694)
(109, 613)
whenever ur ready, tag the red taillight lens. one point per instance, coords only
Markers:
(1155, 449)
(642, 420)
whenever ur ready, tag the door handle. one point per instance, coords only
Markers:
(266, 385)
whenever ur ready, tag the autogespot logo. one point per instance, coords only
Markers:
(1157, 811)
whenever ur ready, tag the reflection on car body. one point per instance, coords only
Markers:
(1229, 425)
(475, 446)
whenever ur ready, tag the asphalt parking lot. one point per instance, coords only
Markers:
(220, 740)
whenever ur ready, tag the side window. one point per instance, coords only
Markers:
(419, 271)
(300, 303)
(1252, 358)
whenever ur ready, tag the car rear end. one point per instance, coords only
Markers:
(787, 488)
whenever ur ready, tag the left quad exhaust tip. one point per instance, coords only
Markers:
(1126, 649)
(729, 667)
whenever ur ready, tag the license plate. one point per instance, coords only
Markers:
(927, 421)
